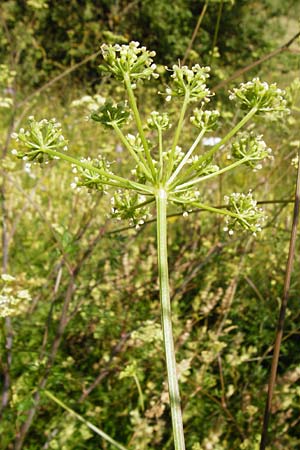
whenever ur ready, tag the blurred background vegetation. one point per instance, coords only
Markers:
(88, 325)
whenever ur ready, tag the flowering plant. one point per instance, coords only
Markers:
(164, 173)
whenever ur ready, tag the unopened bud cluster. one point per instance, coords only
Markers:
(252, 148)
(205, 120)
(135, 142)
(267, 98)
(90, 178)
(246, 213)
(39, 137)
(129, 206)
(158, 121)
(111, 114)
(131, 60)
(191, 82)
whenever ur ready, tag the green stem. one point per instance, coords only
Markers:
(139, 158)
(186, 157)
(224, 141)
(86, 422)
(182, 187)
(120, 181)
(133, 105)
(223, 212)
(177, 134)
(161, 202)
(160, 152)
(141, 396)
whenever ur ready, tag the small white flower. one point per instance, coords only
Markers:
(7, 277)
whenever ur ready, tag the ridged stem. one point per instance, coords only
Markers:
(163, 271)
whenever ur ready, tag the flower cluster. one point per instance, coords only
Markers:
(252, 148)
(129, 206)
(112, 114)
(267, 98)
(205, 120)
(245, 213)
(178, 156)
(189, 82)
(37, 141)
(89, 178)
(12, 301)
(158, 121)
(91, 103)
(130, 60)
(135, 142)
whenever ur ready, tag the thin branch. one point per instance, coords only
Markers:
(195, 32)
(259, 61)
(58, 77)
(279, 333)
(86, 422)
(216, 32)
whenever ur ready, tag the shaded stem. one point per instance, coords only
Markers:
(133, 105)
(163, 271)
(139, 158)
(160, 152)
(177, 134)
(139, 388)
(186, 157)
(279, 332)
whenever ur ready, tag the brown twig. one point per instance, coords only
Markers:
(264, 58)
(215, 38)
(279, 332)
(195, 32)
(224, 408)
(58, 77)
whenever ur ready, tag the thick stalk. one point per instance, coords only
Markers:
(161, 202)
